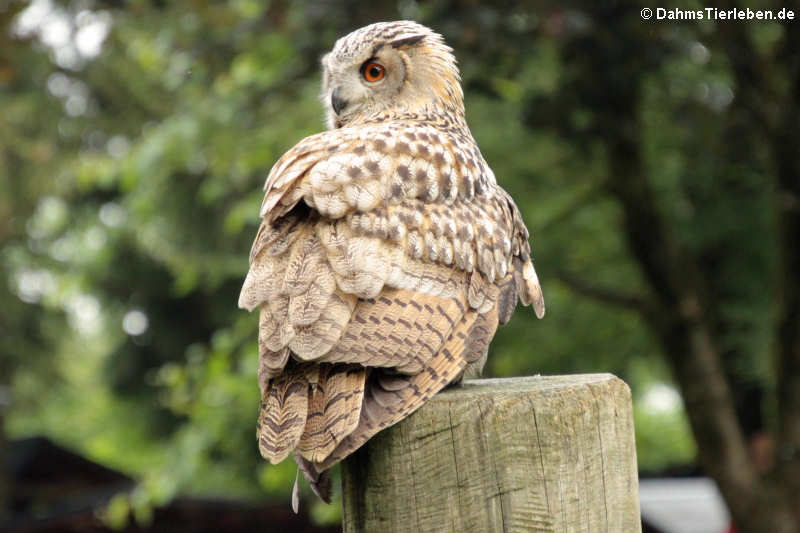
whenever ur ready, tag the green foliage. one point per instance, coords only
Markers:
(130, 183)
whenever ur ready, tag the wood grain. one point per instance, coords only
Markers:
(535, 454)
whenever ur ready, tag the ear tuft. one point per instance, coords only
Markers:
(405, 42)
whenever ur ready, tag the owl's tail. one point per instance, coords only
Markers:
(309, 409)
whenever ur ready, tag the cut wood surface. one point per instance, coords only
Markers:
(541, 453)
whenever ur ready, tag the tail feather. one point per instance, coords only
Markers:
(282, 419)
(334, 407)
(320, 481)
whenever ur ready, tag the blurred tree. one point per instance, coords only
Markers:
(699, 225)
(653, 162)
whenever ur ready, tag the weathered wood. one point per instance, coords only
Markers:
(523, 454)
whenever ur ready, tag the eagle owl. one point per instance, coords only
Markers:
(387, 254)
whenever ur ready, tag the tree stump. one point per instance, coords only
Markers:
(523, 454)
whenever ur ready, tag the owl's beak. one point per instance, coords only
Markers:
(337, 102)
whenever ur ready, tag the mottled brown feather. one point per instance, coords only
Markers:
(401, 329)
(282, 419)
(383, 407)
(334, 406)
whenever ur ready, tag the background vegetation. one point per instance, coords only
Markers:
(652, 161)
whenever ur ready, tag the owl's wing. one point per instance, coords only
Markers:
(321, 168)
(410, 185)
(381, 270)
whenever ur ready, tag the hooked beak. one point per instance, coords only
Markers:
(337, 102)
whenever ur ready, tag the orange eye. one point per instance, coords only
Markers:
(373, 72)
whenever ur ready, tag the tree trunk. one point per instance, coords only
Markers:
(679, 317)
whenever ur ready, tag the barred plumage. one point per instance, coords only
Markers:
(387, 255)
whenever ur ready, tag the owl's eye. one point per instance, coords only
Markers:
(373, 72)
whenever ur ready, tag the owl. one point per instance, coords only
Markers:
(386, 257)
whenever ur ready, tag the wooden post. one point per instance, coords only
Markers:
(507, 455)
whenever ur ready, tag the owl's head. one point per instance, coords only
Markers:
(389, 66)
